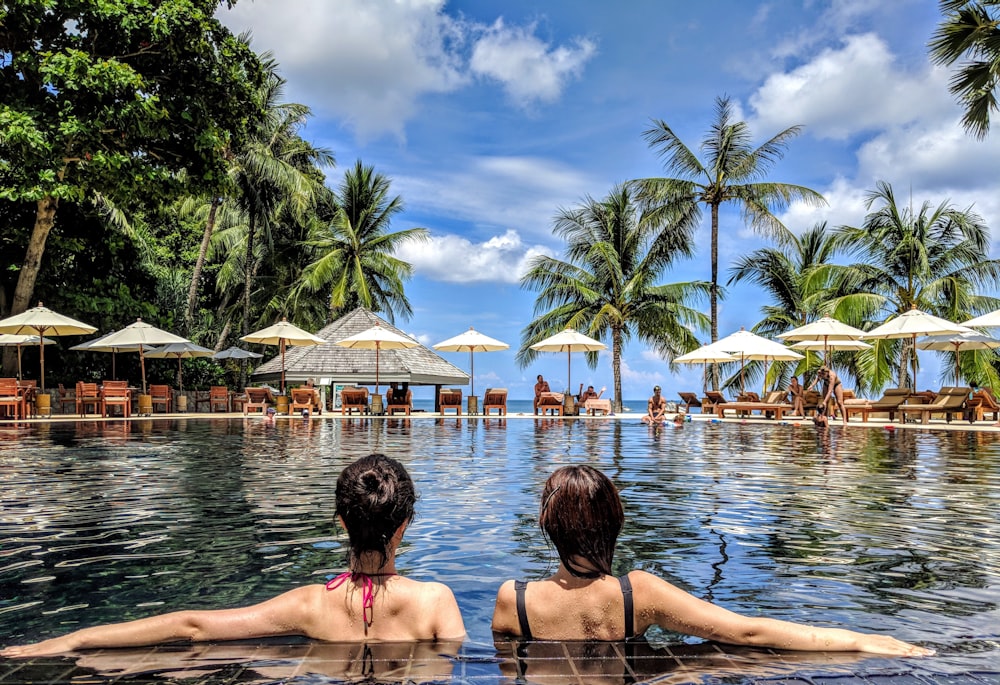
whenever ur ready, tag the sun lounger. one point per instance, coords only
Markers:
(551, 402)
(495, 398)
(713, 398)
(889, 402)
(741, 408)
(395, 401)
(450, 398)
(981, 403)
(949, 401)
(690, 400)
(257, 398)
(592, 406)
(354, 399)
(304, 398)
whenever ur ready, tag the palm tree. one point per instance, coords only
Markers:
(733, 171)
(931, 259)
(971, 30)
(355, 260)
(607, 287)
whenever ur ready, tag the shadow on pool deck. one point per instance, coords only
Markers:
(578, 663)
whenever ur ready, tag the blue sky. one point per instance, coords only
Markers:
(491, 116)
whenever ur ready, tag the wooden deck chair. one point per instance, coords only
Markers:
(116, 394)
(160, 394)
(10, 397)
(983, 402)
(218, 396)
(950, 400)
(495, 398)
(87, 395)
(690, 400)
(889, 403)
(714, 398)
(28, 391)
(450, 398)
(354, 399)
(257, 398)
(551, 402)
(65, 398)
(396, 401)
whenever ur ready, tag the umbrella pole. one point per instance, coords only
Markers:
(180, 377)
(377, 346)
(569, 380)
(142, 367)
(914, 351)
(114, 371)
(281, 342)
(19, 362)
(472, 369)
(41, 356)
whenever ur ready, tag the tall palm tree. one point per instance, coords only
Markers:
(932, 259)
(608, 288)
(355, 252)
(733, 171)
(970, 30)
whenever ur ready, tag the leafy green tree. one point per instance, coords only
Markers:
(733, 172)
(355, 260)
(607, 287)
(970, 31)
(114, 98)
(932, 259)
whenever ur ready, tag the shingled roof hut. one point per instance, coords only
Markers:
(331, 364)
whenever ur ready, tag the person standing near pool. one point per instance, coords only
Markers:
(374, 503)
(582, 514)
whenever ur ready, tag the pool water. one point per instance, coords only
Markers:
(894, 532)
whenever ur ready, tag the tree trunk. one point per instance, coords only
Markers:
(199, 265)
(248, 276)
(616, 367)
(714, 293)
(45, 218)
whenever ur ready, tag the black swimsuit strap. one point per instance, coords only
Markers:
(629, 607)
(522, 612)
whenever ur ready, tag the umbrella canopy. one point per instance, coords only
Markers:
(140, 336)
(910, 324)
(706, 354)
(178, 351)
(957, 343)
(824, 329)
(991, 320)
(283, 334)
(377, 338)
(236, 353)
(19, 341)
(749, 346)
(43, 321)
(97, 345)
(569, 341)
(817, 345)
(473, 341)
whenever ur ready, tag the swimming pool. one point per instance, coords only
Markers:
(881, 531)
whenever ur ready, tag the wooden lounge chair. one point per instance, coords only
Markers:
(10, 397)
(65, 398)
(774, 404)
(87, 394)
(889, 402)
(551, 402)
(713, 398)
(397, 401)
(690, 400)
(450, 398)
(495, 398)
(116, 393)
(257, 398)
(160, 394)
(949, 401)
(594, 405)
(982, 402)
(28, 390)
(218, 396)
(304, 398)
(354, 399)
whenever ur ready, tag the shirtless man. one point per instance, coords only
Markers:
(541, 386)
(656, 408)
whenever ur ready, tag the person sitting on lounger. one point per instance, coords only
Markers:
(589, 394)
(797, 393)
(540, 387)
(370, 601)
(582, 515)
(656, 408)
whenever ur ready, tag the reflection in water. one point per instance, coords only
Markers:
(884, 531)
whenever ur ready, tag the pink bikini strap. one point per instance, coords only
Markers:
(367, 592)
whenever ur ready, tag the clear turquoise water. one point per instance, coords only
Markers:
(881, 531)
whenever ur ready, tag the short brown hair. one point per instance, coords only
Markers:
(582, 515)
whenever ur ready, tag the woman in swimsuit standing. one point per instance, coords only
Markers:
(374, 500)
(832, 388)
(582, 515)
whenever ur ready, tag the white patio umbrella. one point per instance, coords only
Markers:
(142, 336)
(836, 345)
(179, 351)
(826, 329)
(43, 321)
(236, 353)
(97, 345)
(19, 341)
(377, 338)
(957, 343)
(749, 346)
(473, 341)
(706, 354)
(991, 320)
(283, 334)
(569, 341)
(911, 324)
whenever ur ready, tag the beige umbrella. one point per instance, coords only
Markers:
(141, 336)
(826, 329)
(991, 320)
(43, 321)
(19, 341)
(377, 338)
(473, 341)
(957, 343)
(178, 351)
(283, 334)
(97, 345)
(911, 324)
(569, 341)
(706, 354)
(747, 346)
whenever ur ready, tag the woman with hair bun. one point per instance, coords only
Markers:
(581, 513)
(370, 601)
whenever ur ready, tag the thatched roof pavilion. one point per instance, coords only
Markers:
(329, 363)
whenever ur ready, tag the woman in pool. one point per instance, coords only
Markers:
(582, 515)
(374, 501)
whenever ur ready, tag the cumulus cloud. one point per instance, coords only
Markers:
(641, 378)
(529, 69)
(456, 259)
(855, 88)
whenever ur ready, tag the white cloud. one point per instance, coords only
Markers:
(642, 378)
(455, 259)
(529, 69)
(856, 88)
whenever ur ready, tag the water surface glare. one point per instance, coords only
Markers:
(881, 531)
